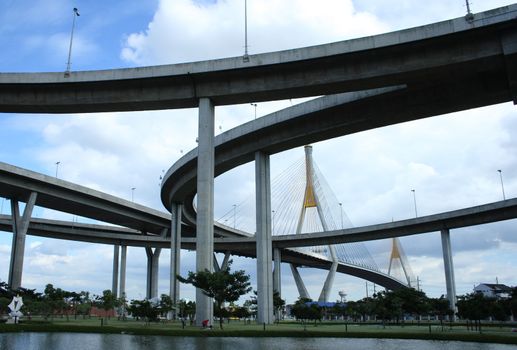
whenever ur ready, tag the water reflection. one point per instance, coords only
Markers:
(76, 341)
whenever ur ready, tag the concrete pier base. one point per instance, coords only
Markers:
(449, 270)
(153, 259)
(264, 241)
(205, 205)
(20, 226)
(114, 282)
(175, 254)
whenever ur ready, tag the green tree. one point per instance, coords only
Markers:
(278, 305)
(441, 308)
(305, 310)
(144, 309)
(107, 301)
(187, 309)
(222, 285)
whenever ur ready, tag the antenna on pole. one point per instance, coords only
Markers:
(246, 57)
(67, 71)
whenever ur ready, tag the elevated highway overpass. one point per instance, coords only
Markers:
(407, 75)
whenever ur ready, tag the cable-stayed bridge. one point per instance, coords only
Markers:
(303, 202)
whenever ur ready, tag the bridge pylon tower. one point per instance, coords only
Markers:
(311, 200)
(397, 253)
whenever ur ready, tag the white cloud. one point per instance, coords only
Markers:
(182, 30)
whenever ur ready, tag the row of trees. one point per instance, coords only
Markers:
(410, 303)
(58, 302)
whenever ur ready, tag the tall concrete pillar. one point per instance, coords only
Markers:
(277, 272)
(205, 205)
(175, 253)
(123, 259)
(449, 269)
(114, 282)
(20, 227)
(264, 240)
(153, 259)
(226, 261)
(302, 291)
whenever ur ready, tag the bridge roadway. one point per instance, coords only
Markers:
(390, 78)
(245, 246)
(421, 72)
(480, 51)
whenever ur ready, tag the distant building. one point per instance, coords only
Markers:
(490, 290)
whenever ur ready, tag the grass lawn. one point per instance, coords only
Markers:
(283, 329)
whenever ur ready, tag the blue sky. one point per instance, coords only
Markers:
(451, 160)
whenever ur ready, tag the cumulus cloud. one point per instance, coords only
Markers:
(183, 30)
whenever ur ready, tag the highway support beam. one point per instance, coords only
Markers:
(449, 270)
(123, 261)
(153, 259)
(264, 239)
(302, 291)
(277, 271)
(176, 210)
(224, 264)
(205, 205)
(20, 227)
(114, 282)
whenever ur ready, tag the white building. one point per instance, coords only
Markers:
(491, 290)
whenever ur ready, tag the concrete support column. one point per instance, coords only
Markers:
(226, 261)
(153, 259)
(123, 259)
(264, 241)
(205, 205)
(302, 291)
(449, 269)
(20, 227)
(277, 272)
(114, 283)
(175, 254)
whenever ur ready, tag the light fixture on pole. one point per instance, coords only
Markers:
(133, 194)
(414, 201)
(246, 57)
(273, 222)
(234, 214)
(254, 105)
(341, 213)
(57, 167)
(502, 185)
(68, 64)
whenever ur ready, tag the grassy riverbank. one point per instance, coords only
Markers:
(489, 334)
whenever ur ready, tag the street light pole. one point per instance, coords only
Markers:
(254, 105)
(273, 223)
(414, 201)
(133, 194)
(67, 72)
(234, 214)
(246, 57)
(502, 185)
(57, 167)
(341, 212)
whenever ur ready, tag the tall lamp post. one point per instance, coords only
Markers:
(502, 185)
(254, 105)
(133, 194)
(341, 213)
(57, 167)
(414, 202)
(67, 72)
